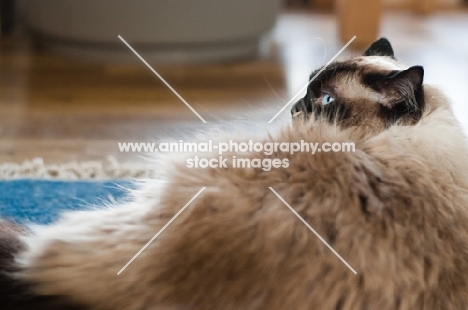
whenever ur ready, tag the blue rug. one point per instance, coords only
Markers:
(41, 201)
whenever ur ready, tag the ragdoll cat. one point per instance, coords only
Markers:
(396, 210)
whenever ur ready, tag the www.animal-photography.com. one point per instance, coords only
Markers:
(249, 154)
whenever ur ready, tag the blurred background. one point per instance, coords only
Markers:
(70, 89)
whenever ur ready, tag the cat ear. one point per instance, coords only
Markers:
(381, 47)
(403, 86)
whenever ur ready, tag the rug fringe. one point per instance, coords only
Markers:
(97, 170)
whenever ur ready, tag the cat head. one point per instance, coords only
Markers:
(372, 92)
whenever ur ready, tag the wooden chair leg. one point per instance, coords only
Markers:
(360, 18)
(423, 6)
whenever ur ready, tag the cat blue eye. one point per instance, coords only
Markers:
(326, 99)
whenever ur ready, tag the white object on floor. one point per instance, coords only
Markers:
(163, 30)
(86, 170)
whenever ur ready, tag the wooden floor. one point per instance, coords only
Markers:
(63, 109)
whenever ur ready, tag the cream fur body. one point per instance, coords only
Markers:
(238, 247)
(396, 210)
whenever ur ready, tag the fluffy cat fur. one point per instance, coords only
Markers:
(396, 210)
